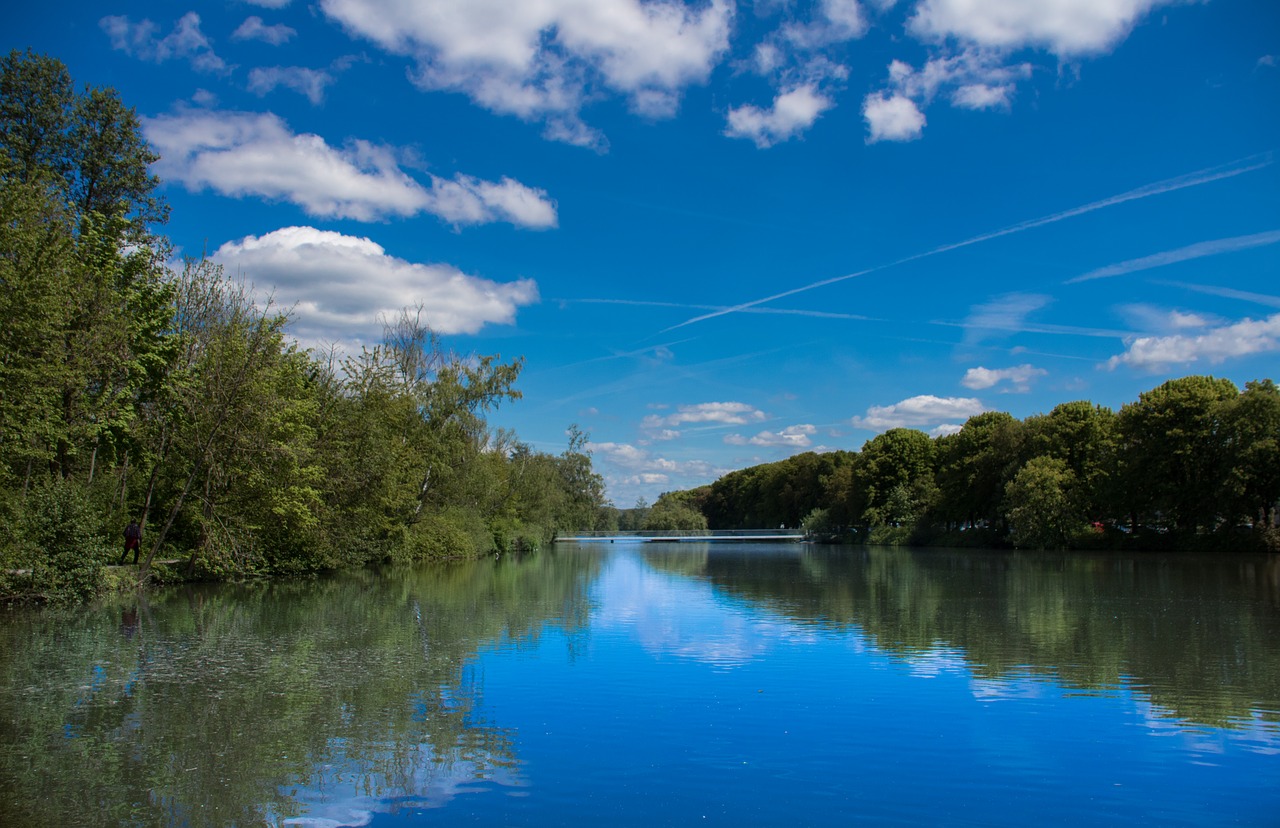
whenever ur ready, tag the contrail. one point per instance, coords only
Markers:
(1168, 185)
(1182, 254)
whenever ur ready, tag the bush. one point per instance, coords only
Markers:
(60, 543)
(449, 534)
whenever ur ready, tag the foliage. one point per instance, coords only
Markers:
(671, 514)
(176, 398)
(1042, 504)
(1194, 463)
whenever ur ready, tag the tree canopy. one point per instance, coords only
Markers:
(130, 390)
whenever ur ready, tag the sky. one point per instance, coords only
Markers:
(722, 232)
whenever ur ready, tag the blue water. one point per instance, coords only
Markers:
(757, 685)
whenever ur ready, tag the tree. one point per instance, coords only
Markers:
(669, 514)
(1252, 421)
(1042, 504)
(895, 477)
(1082, 435)
(974, 466)
(88, 147)
(1174, 452)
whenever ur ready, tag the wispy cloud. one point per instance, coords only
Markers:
(1182, 254)
(1229, 293)
(857, 317)
(1168, 185)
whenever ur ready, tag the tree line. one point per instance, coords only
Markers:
(1193, 463)
(132, 389)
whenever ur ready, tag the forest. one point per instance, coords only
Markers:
(132, 388)
(1192, 464)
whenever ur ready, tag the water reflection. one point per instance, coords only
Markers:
(1200, 637)
(652, 597)
(348, 700)
(297, 703)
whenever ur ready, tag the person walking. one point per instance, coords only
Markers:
(132, 540)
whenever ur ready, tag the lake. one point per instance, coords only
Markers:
(662, 684)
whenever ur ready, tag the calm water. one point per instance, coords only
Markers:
(658, 684)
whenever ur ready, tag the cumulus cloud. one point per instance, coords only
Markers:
(186, 41)
(242, 154)
(973, 78)
(542, 61)
(792, 113)
(254, 29)
(919, 411)
(308, 82)
(892, 118)
(1216, 345)
(796, 436)
(341, 287)
(636, 465)
(1067, 28)
(1019, 376)
(722, 413)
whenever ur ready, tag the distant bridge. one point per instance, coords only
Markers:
(688, 536)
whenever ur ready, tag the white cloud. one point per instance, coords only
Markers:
(796, 436)
(1007, 313)
(308, 82)
(1217, 345)
(792, 112)
(918, 411)
(254, 29)
(542, 60)
(946, 429)
(1019, 376)
(1067, 28)
(638, 462)
(1182, 254)
(836, 21)
(983, 96)
(244, 154)
(977, 79)
(342, 287)
(185, 41)
(1150, 319)
(723, 413)
(892, 118)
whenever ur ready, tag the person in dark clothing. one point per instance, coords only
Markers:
(132, 540)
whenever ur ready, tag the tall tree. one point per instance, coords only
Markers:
(1173, 452)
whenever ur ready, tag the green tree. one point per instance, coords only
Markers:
(1173, 452)
(974, 466)
(670, 514)
(88, 147)
(895, 477)
(1042, 504)
(1252, 421)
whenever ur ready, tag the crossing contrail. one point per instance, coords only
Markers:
(1168, 185)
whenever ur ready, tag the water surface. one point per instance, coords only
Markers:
(656, 684)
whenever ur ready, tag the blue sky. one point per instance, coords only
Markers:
(721, 232)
